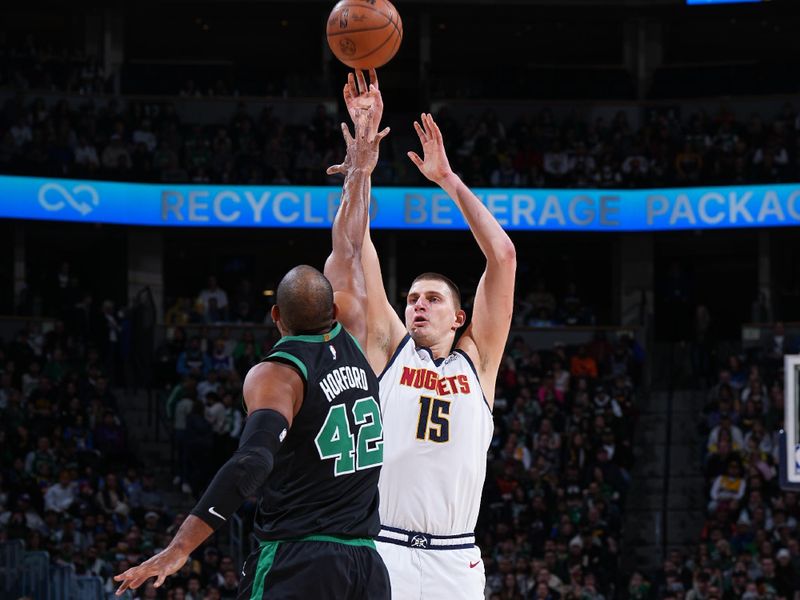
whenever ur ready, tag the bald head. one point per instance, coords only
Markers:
(305, 300)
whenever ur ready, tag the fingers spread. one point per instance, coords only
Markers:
(415, 159)
(351, 83)
(383, 134)
(346, 133)
(362, 83)
(420, 132)
(334, 169)
(437, 133)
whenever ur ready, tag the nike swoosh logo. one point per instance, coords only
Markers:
(472, 565)
(215, 513)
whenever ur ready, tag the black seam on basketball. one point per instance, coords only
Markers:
(347, 31)
(397, 29)
(399, 38)
(372, 8)
(373, 51)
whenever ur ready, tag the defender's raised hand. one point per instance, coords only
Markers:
(359, 97)
(434, 164)
(362, 150)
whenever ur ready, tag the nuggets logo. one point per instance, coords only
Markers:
(431, 380)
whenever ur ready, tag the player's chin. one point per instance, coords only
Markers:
(422, 336)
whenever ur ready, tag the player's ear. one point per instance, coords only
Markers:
(461, 318)
(275, 313)
(336, 311)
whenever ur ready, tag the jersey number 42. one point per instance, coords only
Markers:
(335, 439)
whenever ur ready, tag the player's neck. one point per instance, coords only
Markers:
(439, 349)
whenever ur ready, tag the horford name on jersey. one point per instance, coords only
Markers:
(341, 379)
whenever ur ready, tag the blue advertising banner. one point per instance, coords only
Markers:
(397, 208)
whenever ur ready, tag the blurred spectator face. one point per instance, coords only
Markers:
(543, 576)
(702, 583)
(510, 581)
(522, 565)
(542, 591)
(505, 565)
(589, 581)
(784, 558)
(768, 567)
(674, 584)
(739, 577)
(750, 592)
(63, 478)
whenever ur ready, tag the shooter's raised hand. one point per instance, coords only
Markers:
(434, 164)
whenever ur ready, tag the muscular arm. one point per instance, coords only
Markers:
(343, 267)
(386, 330)
(267, 386)
(494, 299)
(485, 338)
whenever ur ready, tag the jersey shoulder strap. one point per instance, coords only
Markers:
(302, 351)
(291, 357)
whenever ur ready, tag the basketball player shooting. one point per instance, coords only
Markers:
(315, 470)
(436, 400)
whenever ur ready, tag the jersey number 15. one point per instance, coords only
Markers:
(433, 421)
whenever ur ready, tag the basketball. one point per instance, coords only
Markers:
(364, 34)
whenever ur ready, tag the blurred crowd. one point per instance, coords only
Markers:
(70, 483)
(748, 548)
(149, 142)
(34, 65)
(559, 469)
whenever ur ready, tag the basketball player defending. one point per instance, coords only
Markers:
(436, 400)
(311, 449)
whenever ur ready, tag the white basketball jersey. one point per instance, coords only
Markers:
(437, 428)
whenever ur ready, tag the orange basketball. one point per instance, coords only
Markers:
(364, 34)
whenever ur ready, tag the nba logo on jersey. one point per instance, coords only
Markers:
(419, 541)
(333, 351)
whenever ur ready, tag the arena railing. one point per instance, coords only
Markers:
(90, 587)
(36, 575)
(11, 558)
